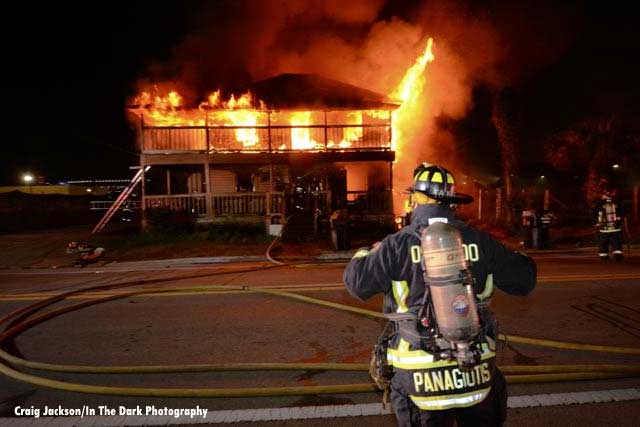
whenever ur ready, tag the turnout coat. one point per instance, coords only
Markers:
(394, 269)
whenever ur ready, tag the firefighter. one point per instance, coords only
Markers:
(544, 222)
(609, 221)
(88, 253)
(339, 224)
(427, 388)
(529, 221)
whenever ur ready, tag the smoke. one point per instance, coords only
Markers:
(371, 43)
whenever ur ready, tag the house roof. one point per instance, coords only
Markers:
(311, 91)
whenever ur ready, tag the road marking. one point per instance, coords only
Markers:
(317, 412)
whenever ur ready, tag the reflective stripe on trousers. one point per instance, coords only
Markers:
(462, 400)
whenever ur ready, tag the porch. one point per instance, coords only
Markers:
(261, 204)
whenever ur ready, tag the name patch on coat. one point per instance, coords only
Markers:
(450, 379)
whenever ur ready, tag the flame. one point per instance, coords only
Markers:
(239, 113)
(160, 109)
(169, 101)
(213, 100)
(409, 91)
(301, 136)
(352, 134)
(165, 110)
(248, 119)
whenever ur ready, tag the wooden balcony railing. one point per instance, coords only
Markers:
(195, 204)
(247, 203)
(268, 203)
(221, 204)
(373, 134)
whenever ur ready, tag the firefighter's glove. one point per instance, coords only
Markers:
(380, 372)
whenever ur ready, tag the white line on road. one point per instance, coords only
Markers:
(311, 412)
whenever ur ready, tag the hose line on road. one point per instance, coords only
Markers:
(511, 338)
(25, 311)
(568, 345)
(515, 374)
(275, 240)
(262, 391)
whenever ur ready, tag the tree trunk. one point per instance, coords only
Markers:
(506, 123)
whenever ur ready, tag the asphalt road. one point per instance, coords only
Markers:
(578, 299)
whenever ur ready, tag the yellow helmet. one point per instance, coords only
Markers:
(437, 183)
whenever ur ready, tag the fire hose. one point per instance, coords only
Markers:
(275, 240)
(515, 374)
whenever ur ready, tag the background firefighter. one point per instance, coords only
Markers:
(609, 221)
(87, 253)
(394, 267)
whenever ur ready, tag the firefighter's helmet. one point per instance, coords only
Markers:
(608, 195)
(437, 183)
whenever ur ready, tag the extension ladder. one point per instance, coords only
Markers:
(119, 201)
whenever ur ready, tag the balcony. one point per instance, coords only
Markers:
(265, 131)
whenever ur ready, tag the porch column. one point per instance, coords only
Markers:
(208, 201)
(269, 193)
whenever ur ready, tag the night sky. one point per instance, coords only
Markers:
(68, 69)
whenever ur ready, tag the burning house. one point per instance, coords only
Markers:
(294, 143)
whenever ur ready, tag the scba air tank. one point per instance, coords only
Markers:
(446, 275)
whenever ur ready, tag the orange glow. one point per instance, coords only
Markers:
(300, 136)
(352, 134)
(213, 99)
(165, 110)
(239, 112)
(409, 92)
(249, 121)
(413, 80)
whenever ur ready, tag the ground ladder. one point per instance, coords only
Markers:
(119, 201)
